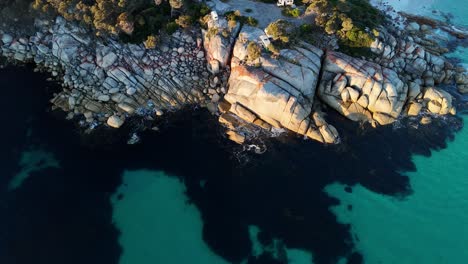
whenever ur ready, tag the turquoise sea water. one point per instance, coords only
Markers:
(429, 226)
(456, 8)
(157, 225)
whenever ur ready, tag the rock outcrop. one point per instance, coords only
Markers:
(361, 90)
(278, 92)
(218, 41)
(107, 82)
(251, 89)
(417, 56)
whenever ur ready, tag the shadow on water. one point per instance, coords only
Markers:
(64, 215)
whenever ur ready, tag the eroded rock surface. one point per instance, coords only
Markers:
(107, 82)
(278, 91)
(362, 90)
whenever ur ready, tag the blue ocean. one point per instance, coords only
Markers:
(395, 194)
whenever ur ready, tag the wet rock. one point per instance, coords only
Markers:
(7, 38)
(236, 137)
(115, 121)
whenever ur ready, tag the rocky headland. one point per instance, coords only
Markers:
(106, 82)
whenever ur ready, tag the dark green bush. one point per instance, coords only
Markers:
(253, 51)
(171, 27)
(291, 12)
(353, 21)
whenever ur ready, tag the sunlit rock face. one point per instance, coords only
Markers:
(362, 90)
(279, 91)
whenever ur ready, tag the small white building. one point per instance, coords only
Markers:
(214, 15)
(285, 3)
(265, 41)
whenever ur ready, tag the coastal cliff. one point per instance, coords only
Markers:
(293, 88)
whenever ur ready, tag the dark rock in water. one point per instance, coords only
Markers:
(355, 258)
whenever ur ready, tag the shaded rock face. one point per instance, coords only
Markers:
(361, 90)
(107, 82)
(280, 91)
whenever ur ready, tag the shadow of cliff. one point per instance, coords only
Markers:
(64, 215)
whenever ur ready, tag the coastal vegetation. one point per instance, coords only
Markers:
(236, 16)
(133, 20)
(279, 30)
(354, 22)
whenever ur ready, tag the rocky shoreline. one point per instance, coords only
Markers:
(107, 82)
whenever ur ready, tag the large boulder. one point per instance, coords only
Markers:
(361, 90)
(65, 47)
(280, 91)
(115, 121)
(218, 40)
(7, 38)
(439, 101)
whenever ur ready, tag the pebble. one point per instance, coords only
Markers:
(131, 91)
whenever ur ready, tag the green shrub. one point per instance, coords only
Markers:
(212, 32)
(151, 42)
(278, 30)
(273, 49)
(353, 21)
(171, 27)
(253, 51)
(236, 16)
(291, 12)
(250, 21)
(184, 21)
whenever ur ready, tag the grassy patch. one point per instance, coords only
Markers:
(291, 12)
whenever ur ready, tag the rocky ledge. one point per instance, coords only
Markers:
(291, 89)
(108, 82)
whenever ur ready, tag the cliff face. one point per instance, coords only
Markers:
(108, 82)
(280, 91)
(290, 90)
(361, 90)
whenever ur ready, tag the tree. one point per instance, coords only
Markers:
(253, 51)
(350, 20)
(184, 21)
(175, 4)
(151, 42)
(278, 30)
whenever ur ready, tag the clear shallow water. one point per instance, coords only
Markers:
(457, 8)
(157, 224)
(429, 226)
